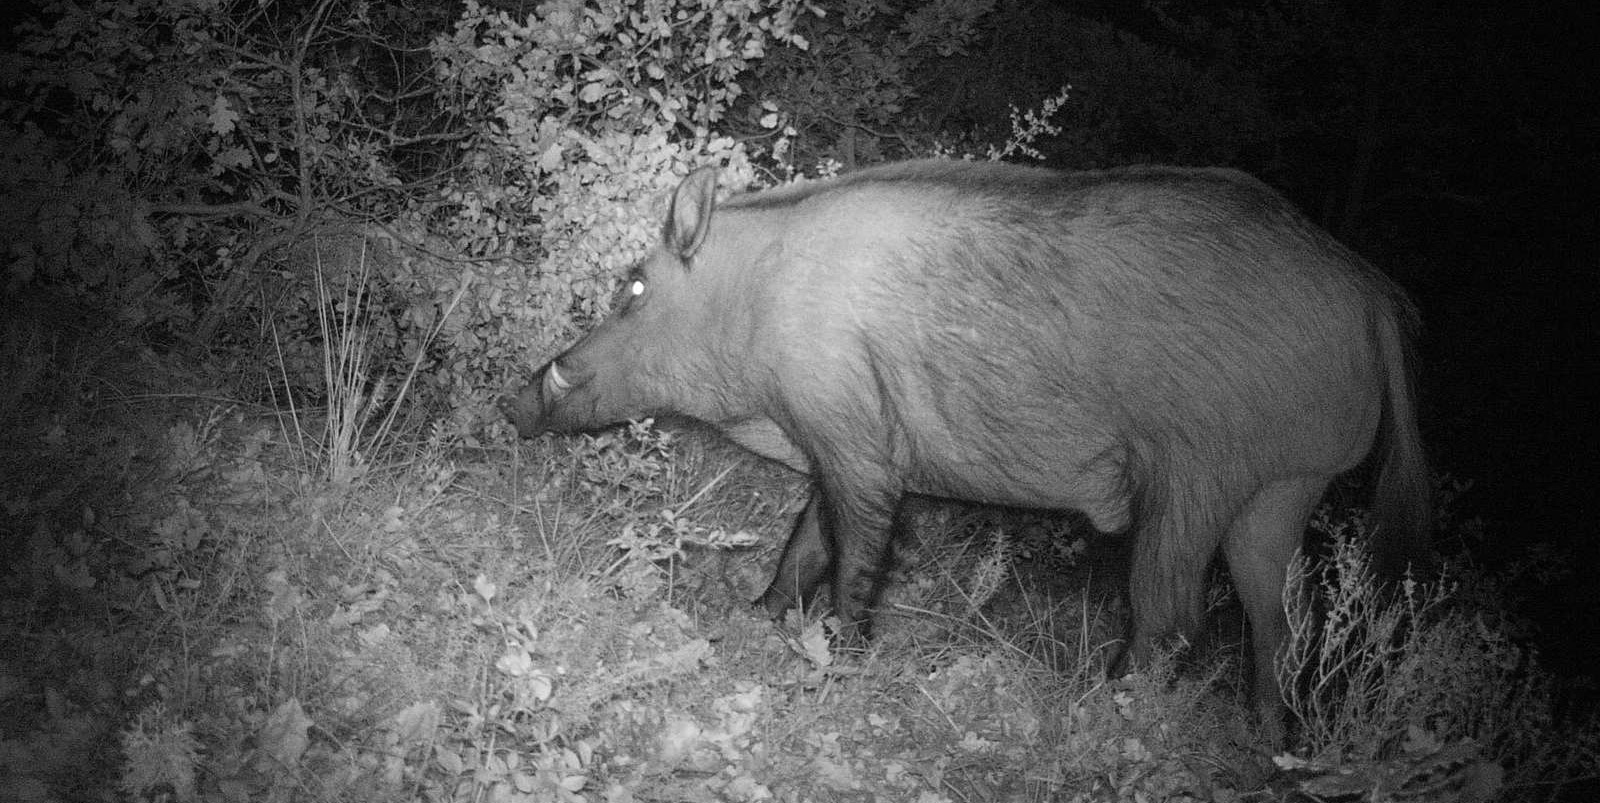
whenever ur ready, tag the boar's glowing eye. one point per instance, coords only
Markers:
(636, 288)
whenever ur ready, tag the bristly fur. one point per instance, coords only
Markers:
(1176, 352)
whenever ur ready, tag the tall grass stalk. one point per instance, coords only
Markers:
(352, 399)
(352, 432)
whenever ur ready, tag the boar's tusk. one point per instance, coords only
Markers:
(555, 382)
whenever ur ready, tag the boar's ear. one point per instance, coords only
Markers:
(690, 217)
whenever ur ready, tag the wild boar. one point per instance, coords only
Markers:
(1178, 353)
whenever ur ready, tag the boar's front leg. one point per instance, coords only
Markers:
(846, 543)
(856, 520)
(803, 567)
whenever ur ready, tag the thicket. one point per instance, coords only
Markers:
(200, 167)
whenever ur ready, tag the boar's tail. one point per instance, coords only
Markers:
(1402, 505)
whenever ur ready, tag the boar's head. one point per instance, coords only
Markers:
(655, 354)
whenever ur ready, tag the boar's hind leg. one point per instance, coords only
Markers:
(802, 568)
(1259, 546)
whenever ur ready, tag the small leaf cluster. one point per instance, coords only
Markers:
(859, 95)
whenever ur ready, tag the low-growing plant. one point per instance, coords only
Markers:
(1402, 689)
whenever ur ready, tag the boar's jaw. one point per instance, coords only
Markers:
(569, 399)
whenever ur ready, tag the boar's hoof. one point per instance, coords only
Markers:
(777, 602)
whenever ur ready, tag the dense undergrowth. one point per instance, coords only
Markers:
(207, 599)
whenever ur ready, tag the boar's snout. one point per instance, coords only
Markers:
(530, 410)
(522, 409)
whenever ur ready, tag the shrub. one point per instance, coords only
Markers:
(1410, 689)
